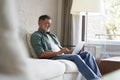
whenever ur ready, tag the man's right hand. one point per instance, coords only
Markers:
(64, 50)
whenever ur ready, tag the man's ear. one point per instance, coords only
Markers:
(40, 22)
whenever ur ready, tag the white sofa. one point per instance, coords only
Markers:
(53, 70)
(46, 69)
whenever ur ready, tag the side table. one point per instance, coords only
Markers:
(109, 65)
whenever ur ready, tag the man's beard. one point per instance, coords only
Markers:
(47, 29)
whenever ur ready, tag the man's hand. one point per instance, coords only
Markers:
(64, 50)
(70, 51)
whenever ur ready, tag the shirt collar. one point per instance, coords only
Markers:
(43, 32)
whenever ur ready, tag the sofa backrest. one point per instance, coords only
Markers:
(25, 37)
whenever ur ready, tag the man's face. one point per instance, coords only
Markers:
(45, 25)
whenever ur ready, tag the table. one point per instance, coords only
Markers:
(109, 64)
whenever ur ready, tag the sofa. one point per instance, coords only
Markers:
(53, 70)
(15, 61)
(46, 69)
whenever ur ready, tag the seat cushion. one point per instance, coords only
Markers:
(45, 69)
(70, 66)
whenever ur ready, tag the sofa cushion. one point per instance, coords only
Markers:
(31, 50)
(44, 69)
(70, 66)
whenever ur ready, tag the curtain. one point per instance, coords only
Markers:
(67, 27)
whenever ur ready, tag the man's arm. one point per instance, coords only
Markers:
(53, 54)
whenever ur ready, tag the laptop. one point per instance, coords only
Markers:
(78, 47)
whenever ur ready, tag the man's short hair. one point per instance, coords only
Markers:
(43, 17)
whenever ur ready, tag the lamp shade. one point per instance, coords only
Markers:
(86, 6)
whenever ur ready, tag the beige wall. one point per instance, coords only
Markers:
(30, 10)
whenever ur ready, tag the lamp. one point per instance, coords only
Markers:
(86, 6)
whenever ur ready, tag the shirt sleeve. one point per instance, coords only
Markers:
(37, 44)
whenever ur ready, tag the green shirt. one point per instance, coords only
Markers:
(40, 42)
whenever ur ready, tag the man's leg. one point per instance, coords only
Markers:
(90, 61)
(85, 70)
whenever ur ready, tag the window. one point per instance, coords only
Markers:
(103, 31)
(112, 10)
(107, 26)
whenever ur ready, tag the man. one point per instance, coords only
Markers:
(46, 45)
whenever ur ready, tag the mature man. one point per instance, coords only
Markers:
(46, 45)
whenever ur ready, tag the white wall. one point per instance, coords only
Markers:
(30, 10)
